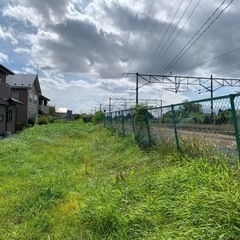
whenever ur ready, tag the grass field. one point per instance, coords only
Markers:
(80, 181)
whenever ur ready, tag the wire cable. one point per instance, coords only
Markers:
(210, 60)
(185, 49)
(135, 53)
(161, 29)
(129, 30)
(169, 37)
(169, 25)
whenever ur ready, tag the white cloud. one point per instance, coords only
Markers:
(22, 13)
(22, 50)
(83, 47)
(3, 57)
(7, 34)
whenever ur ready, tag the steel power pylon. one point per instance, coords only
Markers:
(209, 83)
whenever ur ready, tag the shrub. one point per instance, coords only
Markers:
(45, 120)
(98, 117)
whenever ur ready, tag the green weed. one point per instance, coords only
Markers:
(80, 181)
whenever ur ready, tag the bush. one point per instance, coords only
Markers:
(45, 120)
(31, 121)
(98, 117)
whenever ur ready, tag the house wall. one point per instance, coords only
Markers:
(2, 119)
(5, 93)
(5, 90)
(2, 77)
(22, 113)
(11, 126)
(33, 101)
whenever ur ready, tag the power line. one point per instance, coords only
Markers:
(169, 37)
(210, 60)
(180, 30)
(236, 66)
(155, 40)
(129, 30)
(186, 47)
(169, 25)
(150, 9)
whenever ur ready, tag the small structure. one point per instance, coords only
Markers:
(63, 113)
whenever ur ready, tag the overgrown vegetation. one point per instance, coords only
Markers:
(78, 181)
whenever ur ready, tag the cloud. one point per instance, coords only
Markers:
(3, 57)
(22, 50)
(7, 34)
(83, 47)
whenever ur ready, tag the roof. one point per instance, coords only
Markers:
(44, 98)
(10, 101)
(14, 101)
(5, 70)
(23, 81)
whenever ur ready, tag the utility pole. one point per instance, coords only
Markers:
(211, 90)
(109, 105)
(136, 89)
(161, 107)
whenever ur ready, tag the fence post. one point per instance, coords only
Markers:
(123, 125)
(148, 127)
(133, 126)
(104, 119)
(175, 128)
(235, 123)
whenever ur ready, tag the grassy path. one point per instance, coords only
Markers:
(78, 181)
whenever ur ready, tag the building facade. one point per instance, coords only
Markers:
(8, 105)
(26, 88)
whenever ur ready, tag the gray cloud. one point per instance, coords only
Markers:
(93, 38)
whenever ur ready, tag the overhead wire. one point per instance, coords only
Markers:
(169, 25)
(159, 33)
(191, 42)
(238, 68)
(180, 30)
(135, 53)
(169, 37)
(129, 30)
(210, 60)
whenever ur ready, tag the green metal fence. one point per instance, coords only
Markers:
(204, 126)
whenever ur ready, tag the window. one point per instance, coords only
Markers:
(1, 117)
(35, 99)
(30, 98)
(9, 116)
(15, 95)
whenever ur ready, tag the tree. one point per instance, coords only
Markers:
(190, 108)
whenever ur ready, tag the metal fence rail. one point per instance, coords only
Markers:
(209, 124)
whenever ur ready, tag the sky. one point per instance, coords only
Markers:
(81, 48)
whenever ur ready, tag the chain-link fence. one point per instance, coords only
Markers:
(197, 127)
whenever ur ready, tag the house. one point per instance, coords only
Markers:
(26, 88)
(8, 105)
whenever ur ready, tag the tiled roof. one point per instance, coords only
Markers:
(23, 81)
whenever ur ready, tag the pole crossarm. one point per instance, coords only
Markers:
(177, 81)
(209, 83)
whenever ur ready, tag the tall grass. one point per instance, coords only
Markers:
(79, 181)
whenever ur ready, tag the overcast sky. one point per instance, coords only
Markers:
(80, 48)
